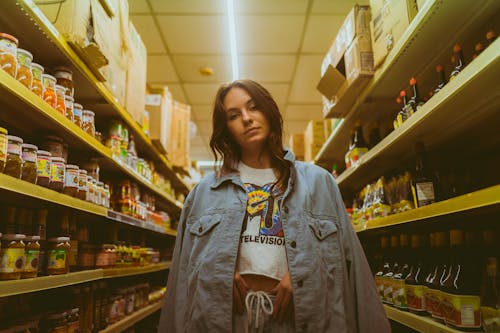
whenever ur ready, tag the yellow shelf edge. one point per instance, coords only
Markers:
(128, 271)
(132, 319)
(418, 323)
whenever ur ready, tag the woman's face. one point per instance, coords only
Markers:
(248, 126)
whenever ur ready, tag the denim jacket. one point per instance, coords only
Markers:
(333, 287)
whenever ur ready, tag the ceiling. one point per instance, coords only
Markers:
(280, 44)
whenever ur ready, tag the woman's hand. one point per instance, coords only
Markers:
(240, 289)
(283, 304)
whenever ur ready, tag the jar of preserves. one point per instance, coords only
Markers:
(29, 157)
(8, 52)
(64, 78)
(60, 100)
(54, 145)
(3, 147)
(106, 256)
(43, 163)
(49, 90)
(73, 325)
(37, 85)
(55, 323)
(57, 173)
(90, 189)
(24, 59)
(14, 163)
(96, 193)
(88, 124)
(100, 193)
(58, 255)
(86, 257)
(65, 151)
(113, 143)
(32, 253)
(71, 180)
(69, 101)
(78, 114)
(107, 196)
(92, 168)
(12, 257)
(82, 184)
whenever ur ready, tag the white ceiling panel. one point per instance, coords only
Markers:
(294, 126)
(278, 91)
(270, 68)
(274, 6)
(306, 79)
(189, 66)
(149, 33)
(138, 6)
(160, 69)
(320, 32)
(188, 6)
(335, 6)
(202, 112)
(195, 34)
(304, 112)
(269, 33)
(201, 93)
(204, 127)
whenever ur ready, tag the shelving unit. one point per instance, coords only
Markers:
(418, 323)
(135, 317)
(17, 287)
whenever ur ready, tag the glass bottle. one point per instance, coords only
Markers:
(37, 85)
(478, 48)
(391, 270)
(491, 35)
(49, 90)
(457, 60)
(374, 137)
(424, 185)
(441, 270)
(60, 103)
(415, 280)
(442, 78)
(399, 288)
(415, 101)
(384, 266)
(490, 284)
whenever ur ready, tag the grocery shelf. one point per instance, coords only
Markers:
(418, 323)
(438, 120)
(132, 319)
(119, 217)
(127, 271)
(462, 16)
(484, 198)
(37, 34)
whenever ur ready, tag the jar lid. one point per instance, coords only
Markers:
(33, 238)
(48, 76)
(106, 186)
(59, 87)
(69, 98)
(72, 166)
(75, 311)
(100, 184)
(29, 146)
(14, 138)
(89, 178)
(58, 159)
(59, 239)
(78, 106)
(11, 237)
(37, 66)
(44, 153)
(108, 246)
(88, 112)
(53, 138)
(25, 52)
(62, 69)
(7, 36)
(83, 171)
(3, 131)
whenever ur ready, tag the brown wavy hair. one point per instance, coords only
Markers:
(225, 148)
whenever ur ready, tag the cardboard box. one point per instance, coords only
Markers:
(178, 148)
(296, 144)
(159, 105)
(136, 76)
(315, 132)
(390, 18)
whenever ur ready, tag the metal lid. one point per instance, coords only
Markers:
(7, 36)
(26, 52)
(11, 237)
(72, 166)
(78, 106)
(48, 76)
(62, 69)
(44, 153)
(83, 171)
(59, 239)
(59, 87)
(15, 138)
(58, 159)
(29, 146)
(37, 66)
(3, 131)
(88, 112)
(68, 97)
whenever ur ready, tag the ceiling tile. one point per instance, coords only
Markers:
(335, 7)
(175, 90)
(201, 93)
(269, 33)
(275, 6)
(204, 127)
(149, 33)
(278, 91)
(320, 32)
(270, 68)
(306, 79)
(304, 112)
(189, 6)
(160, 69)
(138, 6)
(195, 34)
(294, 126)
(188, 67)
(202, 112)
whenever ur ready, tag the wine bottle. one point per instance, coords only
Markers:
(478, 48)
(491, 35)
(442, 78)
(424, 184)
(458, 60)
(415, 102)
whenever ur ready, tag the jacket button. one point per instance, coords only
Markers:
(200, 229)
(286, 209)
(300, 283)
(293, 244)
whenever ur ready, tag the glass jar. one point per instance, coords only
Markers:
(113, 143)
(24, 59)
(8, 51)
(29, 157)
(12, 257)
(55, 323)
(49, 90)
(100, 193)
(57, 173)
(129, 300)
(58, 256)
(60, 100)
(65, 151)
(69, 101)
(64, 78)
(92, 168)
(107, 196)
(37, 85)
(78, 114)
(54, 145)
(88, 124)
(73, 325)
(43, 163)
(82, 184)
(13, 165)
(86, 257)
(116, 129)
(106, 256)
(71, 180)
(3, 147)
(32, 253)
(90, 189)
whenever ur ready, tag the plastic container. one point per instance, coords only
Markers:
(71, 180)
(57, 173)
(78, 114)
(49, 90)
(64, 78)
(69, 101)
(82, 184)
(88, 124)
(43, 168)
(24, 75)
(60, 100)
(14, 163)
(58, 256)
(32, 253)
(29, 157)
(54, 145)
(12, 256)
(8, 52)
(37, 85)
(3, 147)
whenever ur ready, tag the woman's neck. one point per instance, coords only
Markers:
(257, 160)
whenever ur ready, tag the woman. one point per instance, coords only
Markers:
(265, 243)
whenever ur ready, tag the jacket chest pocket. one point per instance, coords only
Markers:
(205, 224)
(326, 241)
(203, 237)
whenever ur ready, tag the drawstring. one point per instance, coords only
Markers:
(263, 303)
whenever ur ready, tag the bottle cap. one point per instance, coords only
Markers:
(479, 47)
(491, 34)
(413, 81)
(457, 48)
(439, 68)
(402, 93)
(398, 100)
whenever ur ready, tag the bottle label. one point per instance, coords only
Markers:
(73, 327)
(438, 311)
(57, 171)
(7, 46)
(491, 318)
(32, 260)
(388, 292)
(14, 148)
(71, 178)
(425, 193)
(356, 154)
(3, 147)
(57, 259)
(29, 155)
(462, 310)
(415, 296)
(399, 294)
(43, 167)
(12, 260)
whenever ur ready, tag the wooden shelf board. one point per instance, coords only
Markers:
(128, 271)
(418, 323)
(132, 319)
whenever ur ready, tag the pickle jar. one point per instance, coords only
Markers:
(12, 257)
(71, 180)
(78, 114)
(58, 256)
(69, 101)
(37, 85)
(88, 124)
(96, 192)
(49, 90)
(8, 53)
(3, 147)
(43, 163)
(54, 145)
(29, 157)
(32, 253)
(82, 184)
(14, 163)
(64, 78)
(57, 173)
(60, 100)
(24, 59)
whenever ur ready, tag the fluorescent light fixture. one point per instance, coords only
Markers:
(232, 39)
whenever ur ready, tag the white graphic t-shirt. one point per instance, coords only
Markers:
(262, 242)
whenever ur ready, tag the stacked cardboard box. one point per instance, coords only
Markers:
(296, 144)
(178, 148)
(159, 105)
(314, 138)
